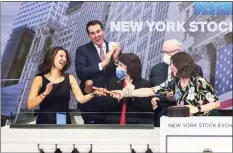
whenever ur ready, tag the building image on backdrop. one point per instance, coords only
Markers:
(40, 25)
(212, 51)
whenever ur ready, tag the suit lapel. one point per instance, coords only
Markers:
(94, 52)
(107, 47)
(165, 66)
(136, 83)
(120, 84)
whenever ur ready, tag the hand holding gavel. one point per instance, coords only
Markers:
(89, 88)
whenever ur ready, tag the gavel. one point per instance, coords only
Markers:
(89, 88)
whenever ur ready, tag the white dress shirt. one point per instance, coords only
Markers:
(169, 78)
(169, 75)
(98, 50)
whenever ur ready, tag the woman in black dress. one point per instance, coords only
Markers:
(51, 88)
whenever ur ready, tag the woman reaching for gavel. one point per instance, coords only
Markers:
(190, 89)
(52, 86)
(89, 88)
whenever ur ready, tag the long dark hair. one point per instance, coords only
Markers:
(185, 65)
(48, 62)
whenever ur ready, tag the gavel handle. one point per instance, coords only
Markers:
(105, 91)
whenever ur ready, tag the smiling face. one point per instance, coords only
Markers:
(96, 34)
(55, 58)
(60, 59)
(173, 69)
(182, 65)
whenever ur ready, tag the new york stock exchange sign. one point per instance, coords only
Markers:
(196, 134)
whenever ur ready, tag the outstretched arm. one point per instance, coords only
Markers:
(78, 93)
(142, 92)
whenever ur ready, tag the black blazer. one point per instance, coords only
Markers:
(86, 65)
(87, 68)
(138, 105)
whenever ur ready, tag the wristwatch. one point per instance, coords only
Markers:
(199, 108)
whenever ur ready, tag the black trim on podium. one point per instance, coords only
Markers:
(147, 151)
(84, 126)
(59, 150)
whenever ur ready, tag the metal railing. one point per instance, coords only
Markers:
(15, 107)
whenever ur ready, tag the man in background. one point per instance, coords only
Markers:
(161, 75)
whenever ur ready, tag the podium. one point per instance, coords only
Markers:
(196, 134)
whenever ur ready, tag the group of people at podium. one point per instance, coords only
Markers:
(130, 98)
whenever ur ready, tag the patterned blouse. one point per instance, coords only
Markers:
(197, 92)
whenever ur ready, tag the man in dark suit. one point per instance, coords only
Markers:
(95, 61)
(161, 74)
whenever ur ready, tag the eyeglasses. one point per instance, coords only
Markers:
(170, 52)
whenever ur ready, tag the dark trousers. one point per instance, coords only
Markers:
(94, 118)
(51, 118)
(92, 112)
(161, 111)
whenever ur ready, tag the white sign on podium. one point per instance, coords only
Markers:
(196, 134)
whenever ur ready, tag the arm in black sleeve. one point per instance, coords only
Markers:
(111, 69)
(152, 76)
(201, 73)
(83, 71)
(143, 104)
(157, 75)
(199, 70)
